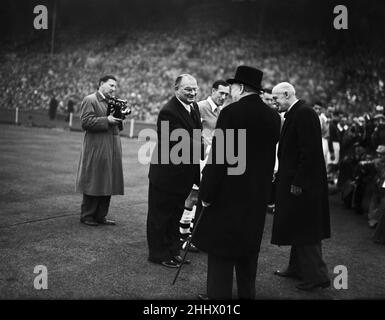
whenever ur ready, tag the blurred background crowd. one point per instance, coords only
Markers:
(354, 152)
(146, 49)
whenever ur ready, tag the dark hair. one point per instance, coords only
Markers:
(248, 88)
(318, 103)
(218, 83)
(267, 90)
(105, 79)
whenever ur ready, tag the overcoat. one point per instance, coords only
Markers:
(302, 219)
(232, 226)
(100, 170)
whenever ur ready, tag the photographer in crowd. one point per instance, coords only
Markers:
(100, 172)
(377, 199)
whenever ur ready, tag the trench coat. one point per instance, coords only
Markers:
(302, 219)
(232, 226)
(100, 170)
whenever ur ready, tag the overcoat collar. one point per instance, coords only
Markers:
(99, 96)
(289, 115)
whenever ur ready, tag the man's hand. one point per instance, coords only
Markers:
(295, 190)
(112, 120)
(205, 204)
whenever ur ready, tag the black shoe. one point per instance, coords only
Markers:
(89, 222)
(166, 263)
(179, 259)
(287, 274)
(203, 297)
(311, 286)
(107, 222)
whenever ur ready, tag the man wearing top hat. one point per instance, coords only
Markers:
(231, 226)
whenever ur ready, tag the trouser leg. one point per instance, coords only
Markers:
(164, 213)
(246, 272)
(313, 268)
(103, 206)
(89, 207)
(219, 277)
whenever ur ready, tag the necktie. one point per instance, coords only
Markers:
(192, 113)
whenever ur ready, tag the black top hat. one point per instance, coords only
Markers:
(249, 76)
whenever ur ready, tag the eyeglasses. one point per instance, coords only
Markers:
(190, 90)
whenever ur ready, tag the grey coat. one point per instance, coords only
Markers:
(100, 170)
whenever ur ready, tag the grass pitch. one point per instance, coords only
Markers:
(39, 225)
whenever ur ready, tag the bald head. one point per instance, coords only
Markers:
(284, 96)
(183, 78)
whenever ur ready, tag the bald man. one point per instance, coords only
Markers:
(301, 217)
(171, 182)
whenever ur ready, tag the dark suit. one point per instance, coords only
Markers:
(231, 228)
(170, 184)
(302, 221)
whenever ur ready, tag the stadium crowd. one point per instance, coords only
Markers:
(354, 151)
(146, 61)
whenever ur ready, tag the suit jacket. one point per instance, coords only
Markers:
(233, 224)
(171, 177)
(100, 170)
(302, 219)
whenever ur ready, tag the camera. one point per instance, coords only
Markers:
(118, 108)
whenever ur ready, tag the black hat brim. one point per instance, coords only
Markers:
(232, 81)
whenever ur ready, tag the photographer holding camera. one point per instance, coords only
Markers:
(100, 171)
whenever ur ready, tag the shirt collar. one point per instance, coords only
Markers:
(212, 104)
(186, 106)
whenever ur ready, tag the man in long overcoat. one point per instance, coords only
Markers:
(302, 207)
(100, 172)
(231, 226)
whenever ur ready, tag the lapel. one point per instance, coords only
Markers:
(184, 115)
(289, 116)
(101, 103)
(288, 119)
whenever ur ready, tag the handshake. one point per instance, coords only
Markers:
(192, 199)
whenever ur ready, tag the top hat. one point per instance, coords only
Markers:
(249, 76)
